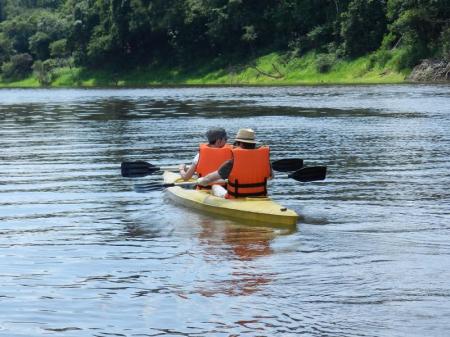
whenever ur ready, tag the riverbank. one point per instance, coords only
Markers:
(271, 69)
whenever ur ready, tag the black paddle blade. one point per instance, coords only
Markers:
(137, 169)
(287, 165)
(309, 174)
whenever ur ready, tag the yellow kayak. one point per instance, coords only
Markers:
(255, 210)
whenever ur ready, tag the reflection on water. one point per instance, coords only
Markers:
(83, 254)
(239, 244)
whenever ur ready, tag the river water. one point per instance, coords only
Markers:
(83, 254)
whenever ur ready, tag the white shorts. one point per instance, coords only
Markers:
(218, 191)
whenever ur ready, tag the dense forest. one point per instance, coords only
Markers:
(41, 35)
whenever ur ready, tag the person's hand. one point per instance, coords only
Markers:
(182, 167)
(202, 181)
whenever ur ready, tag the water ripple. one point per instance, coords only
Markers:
(90, 257)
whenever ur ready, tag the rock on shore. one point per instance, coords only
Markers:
(431, 71)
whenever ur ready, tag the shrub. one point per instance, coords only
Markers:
(296, 47)
(445, 44)
(319, 35)
(58, 49)
(381, 58)
(43, 72)
(389, 41)
(405, 58)
(324, 62)
(18, 67)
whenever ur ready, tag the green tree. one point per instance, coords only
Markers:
(6, 49)
(445, 44)
(126, 33)
(417, 26)
(18, 30)
(39, 45)
(2, 17)
(83, 17)
(58, 49)
(363, 26)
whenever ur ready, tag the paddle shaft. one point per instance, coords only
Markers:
(172, 168)
(142, 168)
(305, 174)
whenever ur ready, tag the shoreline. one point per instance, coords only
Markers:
(268, 70)
(176, 84)
(253, 85)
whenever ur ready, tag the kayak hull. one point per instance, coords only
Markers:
(254, 210)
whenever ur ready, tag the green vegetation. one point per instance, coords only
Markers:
(272, 69)
(161, 42)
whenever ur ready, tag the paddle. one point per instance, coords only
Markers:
(141, 188)
(287, 165)
(141, 168)
(304, 175)
(309, 174)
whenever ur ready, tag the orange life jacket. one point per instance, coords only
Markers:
(210, 159)
(251, 169)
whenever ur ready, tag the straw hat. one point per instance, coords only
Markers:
(246, 136)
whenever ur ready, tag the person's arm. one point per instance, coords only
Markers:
(187, 173)
(209, 178)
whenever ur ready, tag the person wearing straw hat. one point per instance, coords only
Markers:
(247, 172)
(205, 159)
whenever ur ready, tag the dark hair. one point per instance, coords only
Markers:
(215, 134)
(248, 146)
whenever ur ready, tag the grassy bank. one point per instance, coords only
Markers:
(272, 69)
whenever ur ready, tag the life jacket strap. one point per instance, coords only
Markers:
(238, 194)
(246, 185)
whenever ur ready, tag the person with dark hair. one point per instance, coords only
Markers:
(209, 156)
(247, 172)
